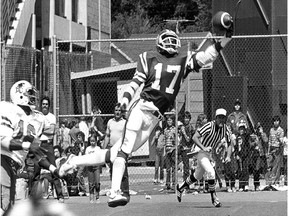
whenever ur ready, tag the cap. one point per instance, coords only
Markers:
(221, 111)
(237, 101)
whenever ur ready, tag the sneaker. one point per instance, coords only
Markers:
(116, 199)
(155, 181)
(66, 167)
(215, 201)
(81, 193)
(234, 190)
(91, 201)
(179, 193)
(241, 189)
(97, 201)
(229, 190)
(61, 200)
(161, 182)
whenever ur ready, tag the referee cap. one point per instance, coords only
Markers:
(221, 111)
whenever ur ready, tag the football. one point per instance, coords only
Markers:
(221, 21)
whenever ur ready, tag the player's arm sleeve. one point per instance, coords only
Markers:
(201, 58)
(139, 77)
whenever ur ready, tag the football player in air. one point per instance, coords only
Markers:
(20, 128)
(162, 73)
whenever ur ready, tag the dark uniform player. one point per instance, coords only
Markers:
(161, 73)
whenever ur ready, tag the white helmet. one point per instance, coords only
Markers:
(24, 93)
(168, 41)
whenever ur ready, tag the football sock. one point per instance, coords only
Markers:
(117, 173)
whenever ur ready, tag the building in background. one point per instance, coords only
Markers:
(32, 23)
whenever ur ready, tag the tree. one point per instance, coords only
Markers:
(148, 16)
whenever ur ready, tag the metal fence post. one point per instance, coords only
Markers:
(55, 82)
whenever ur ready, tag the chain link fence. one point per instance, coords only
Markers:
(79, 75)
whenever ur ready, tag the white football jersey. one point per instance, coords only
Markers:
(14, 123)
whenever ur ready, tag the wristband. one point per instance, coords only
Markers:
(26, 145)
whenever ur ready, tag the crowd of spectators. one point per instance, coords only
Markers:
(255, 154)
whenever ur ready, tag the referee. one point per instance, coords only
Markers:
(207, 138)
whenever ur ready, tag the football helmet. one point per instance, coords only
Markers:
(24, 93)
(168, 41)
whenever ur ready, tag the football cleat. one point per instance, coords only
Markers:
(215, 201)
(116, 199)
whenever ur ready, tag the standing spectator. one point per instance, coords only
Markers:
(212, 133)
(242, 154)
(276, 134)
(98, 123)
(114, 133)
(285, 153)
(230, 165)
(258, 144)
(161, 74)
(78, 150)
(158, 142)
(170, 149)
(47, 142)
(93, 171)
(74, 129)
(236, 116)
(64, 139)
(84, 128)
(186, 134)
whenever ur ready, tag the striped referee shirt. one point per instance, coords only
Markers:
(212, 135)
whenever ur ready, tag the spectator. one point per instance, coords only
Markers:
(79, 149)
(59, 158)
(47, 143)
(242, 150)
(158, 143)
(98, 123)
(64, 139)
(93, 171)
(235, 117)
(74, 129)
(258, 144)
(170, 146)
(186, 142)
(276, 134)
(230, 166)
(114, 133)
(285, 153)
(84, 128)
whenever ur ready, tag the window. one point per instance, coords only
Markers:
(60, 8)
(75, 10)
